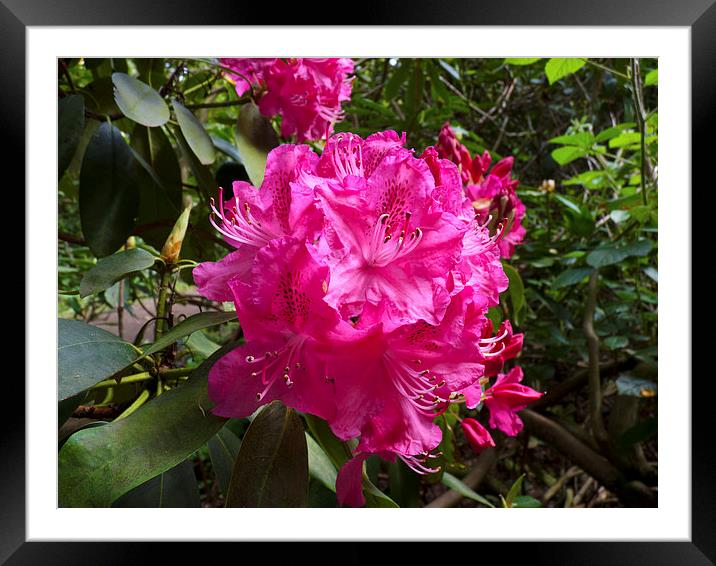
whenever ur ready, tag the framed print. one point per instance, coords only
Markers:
(340, 279)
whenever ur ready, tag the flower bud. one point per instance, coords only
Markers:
(172, 246)
(476, 434)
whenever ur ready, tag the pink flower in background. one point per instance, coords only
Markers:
(306, 93)
(361, 280)
(506, 398)
(492, 192)
(476, 434)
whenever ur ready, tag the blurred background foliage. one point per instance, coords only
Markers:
(584, 135)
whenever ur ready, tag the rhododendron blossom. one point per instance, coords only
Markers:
(362, 280)
(491, 191)
(306, 93)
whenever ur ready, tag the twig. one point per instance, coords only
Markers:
(572, 472)
(595, 385)
(638, 97)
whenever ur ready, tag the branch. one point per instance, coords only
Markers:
(633, 493)
(595, 385)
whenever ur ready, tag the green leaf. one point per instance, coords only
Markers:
(616, 342)
(160, 184)
(113, 268)
(514, 491)
(635, 386)
(86, 355)
(625, 139)
(175, 488)
(254, 139)
(567, 154)
(70, 125)
(194, 134)
(585, 140)
(397, 78)
(652, 78)
(202, 173)
(226, 148)
(96, 466)
(521, 61)
(138, 101)
(516, 289)
(336, 449)
(613, 253)
(558, 68)
(223, 449)
(404, 485)
(456, 485)
(109, 197)
(526, 502)
(375, 498)
(200, 344)
(271, 469)
(189, 326)
(571, 277)
(319, 464)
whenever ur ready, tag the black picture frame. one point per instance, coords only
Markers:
(698, 15)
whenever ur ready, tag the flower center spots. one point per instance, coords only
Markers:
(237, 223)
(281, 196)
(291, 304)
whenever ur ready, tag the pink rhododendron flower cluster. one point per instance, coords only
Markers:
(361, 280)
(306, 93)
(492, 193)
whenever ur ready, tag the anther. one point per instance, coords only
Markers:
(250, 359)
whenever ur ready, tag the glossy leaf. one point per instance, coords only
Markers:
(96, 466)
(456, 485)
(516, 289)
(254, 139)
(319, 464)
(200, 344)
(113, 268)
(86, 355)
(571, 277)
(223, 449)
(138, 101)
(194, 134)
(202, 173)
(271, 469)
(175, 488)
(189, 326)
(160, 184)
(70, 125)
(376, 498)
(109, 197)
